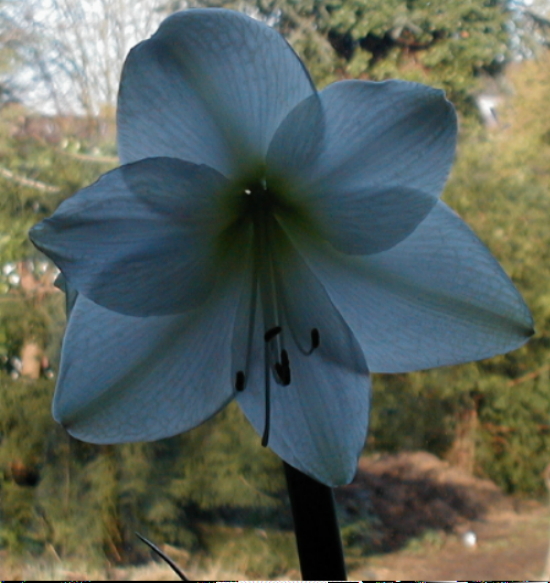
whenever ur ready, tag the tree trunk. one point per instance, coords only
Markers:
(463, 451)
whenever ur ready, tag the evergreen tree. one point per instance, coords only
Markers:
(443, 43)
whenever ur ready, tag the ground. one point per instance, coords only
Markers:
(419, 509)
(511, 547)
(421, 496)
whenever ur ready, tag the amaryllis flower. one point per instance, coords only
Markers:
(266, 242)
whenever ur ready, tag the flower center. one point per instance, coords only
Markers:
(268, 268)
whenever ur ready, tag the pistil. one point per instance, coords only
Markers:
(276, 359)
(266, 280)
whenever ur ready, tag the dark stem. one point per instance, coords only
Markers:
(316, 527)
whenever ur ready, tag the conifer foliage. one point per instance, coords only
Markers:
(443, 43)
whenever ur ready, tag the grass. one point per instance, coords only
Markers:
(233, 554)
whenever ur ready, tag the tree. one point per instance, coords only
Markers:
(444, 43)
(75, 49)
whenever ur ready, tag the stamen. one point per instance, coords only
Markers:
(282, 369)
(265, 436)
(270, 334)
(247, 310)
(315, 341)
(240, 381)
(276, 361)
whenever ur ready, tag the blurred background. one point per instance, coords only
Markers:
(453, 476)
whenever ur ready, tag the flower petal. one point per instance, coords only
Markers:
(211, 87)
(393, 133)
(306, 306)
(365, 221)
(124, 378)
(142, 240)
(368, 160)
(296, 145)
(70, 293)
(437, 298)
(318, 422)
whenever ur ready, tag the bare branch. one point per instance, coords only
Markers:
(24, 181)
(90, 157)
(529, 376)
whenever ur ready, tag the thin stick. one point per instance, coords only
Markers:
(171, 563)
(24, 181)
(316, 527)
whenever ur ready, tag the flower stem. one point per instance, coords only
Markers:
(316, 527)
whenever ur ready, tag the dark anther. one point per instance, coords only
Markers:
(270, 334)
(284, 358)
(315, 339)
(283, 369)
(239, 381)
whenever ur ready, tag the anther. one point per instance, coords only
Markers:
(283, 369)
(239, 381)
(270, 334)
(267, 422)
(315, 339)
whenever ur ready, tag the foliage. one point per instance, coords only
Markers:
(44, 160)
(444, 43)
(88, 500)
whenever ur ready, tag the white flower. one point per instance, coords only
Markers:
(268, 243)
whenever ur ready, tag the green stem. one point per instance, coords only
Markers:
(316, 527)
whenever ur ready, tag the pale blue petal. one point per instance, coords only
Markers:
(393, 133)
(365, 162)
(437, 298)
(366, 221)
(211, 86)
(70, 293)
(358, 134)
(297, 144)
(306, 306)
(141, 240)
(318, 423)
(126, 379)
